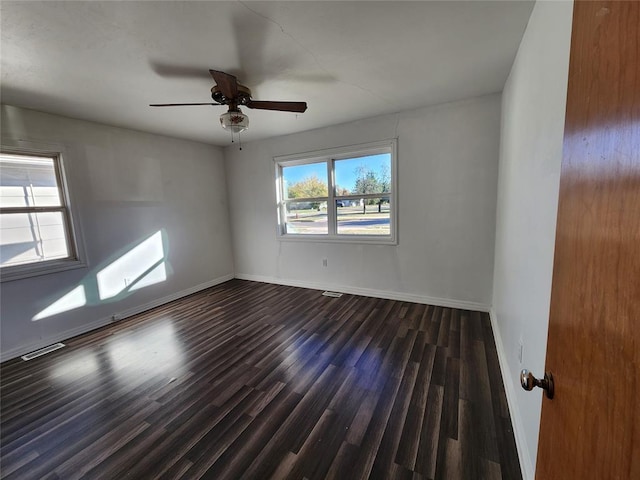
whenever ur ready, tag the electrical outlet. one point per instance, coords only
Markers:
(324, 262)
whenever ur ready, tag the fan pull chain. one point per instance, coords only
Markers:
(239, 139)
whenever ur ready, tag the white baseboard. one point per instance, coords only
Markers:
(369, 292)
(528, 472)
(61, 336)
(174, 296)
(50, 340)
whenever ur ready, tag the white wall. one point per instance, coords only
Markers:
(533, 108)
(125, 186)
(447, 166)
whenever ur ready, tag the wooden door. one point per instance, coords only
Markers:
(591, 429)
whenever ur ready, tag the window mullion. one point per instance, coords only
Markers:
(282, 195)
(331, 204)
(7, 210)
(306, 199)
(68, 227)
(363, 195)
(60, 180)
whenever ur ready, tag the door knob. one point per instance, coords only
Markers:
(528, 381)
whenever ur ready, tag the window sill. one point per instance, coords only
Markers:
(19, 272)
(351, 239)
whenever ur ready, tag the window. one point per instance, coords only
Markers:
(36, 234)
(345, 194)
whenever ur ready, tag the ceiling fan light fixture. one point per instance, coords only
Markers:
(235, 121)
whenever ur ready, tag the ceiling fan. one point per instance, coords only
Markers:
(227, 91)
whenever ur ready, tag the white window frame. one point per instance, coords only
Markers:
(329, 156)
(76, 258)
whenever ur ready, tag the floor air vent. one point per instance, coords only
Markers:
(331, 294)
(42, 351)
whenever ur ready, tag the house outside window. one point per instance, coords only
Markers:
(36, 231)
(345, 194)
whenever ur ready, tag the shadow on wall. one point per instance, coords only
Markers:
(136, 266)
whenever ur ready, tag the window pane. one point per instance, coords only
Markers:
(370, 174)
(306, 218)
(28, 181)
(367, 216)
(32, 237)
(305, 181)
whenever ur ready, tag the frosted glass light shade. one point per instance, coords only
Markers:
(235, 121)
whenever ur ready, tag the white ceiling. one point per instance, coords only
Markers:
(106, 61)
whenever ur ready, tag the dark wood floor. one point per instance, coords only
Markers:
(251, 380)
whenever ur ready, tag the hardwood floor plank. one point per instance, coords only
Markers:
(265, 399)
(176, 471)
(453, 347)
(448, 447)
(445, 327)
(410, 439)
(434, 326)
(452, 467)
(482, 406)
(398, 354)
(299, 424)
(360, 422)
(241, 453)
(418, 347)
(125, 458)
(204, 440)
(285, 467)
(438, 375)
(97, 452)
(427, 455)
(27, 457)
(425, 319)
(469, 442)
(322, 444)
(59, 442)
(451, 396)
(252, 380)
(342, 461)
(383, 465)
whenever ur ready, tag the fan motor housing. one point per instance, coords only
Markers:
(242, 97)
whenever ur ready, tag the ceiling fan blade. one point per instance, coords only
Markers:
(298, 107)
(228, 84)
(179, 104)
